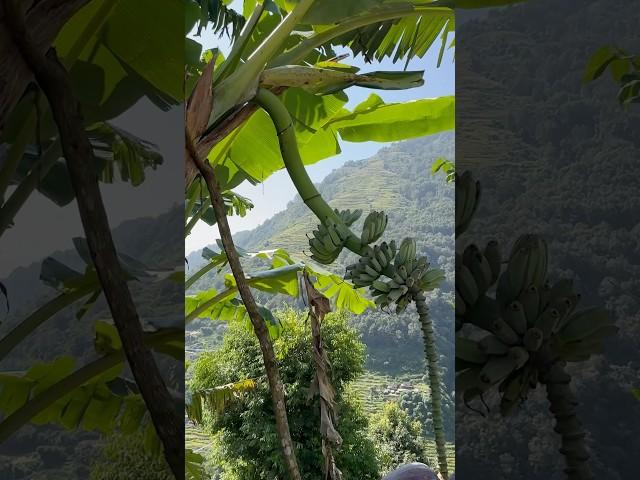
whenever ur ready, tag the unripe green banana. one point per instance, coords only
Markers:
(371, 271)
(349, 217)
(497, 368)
(504, 332)
(382, 301)
(470, 351)
(515, 317)
(375, 265)
(494, 259)
(393, 248)
(467, 200)
(381, 286)
(548, 320)
(532, 339)
(479, 267)
(530, 301)
(374, 226)
(466, 285)
(520, 355)
(492, 345)
(537, 255)
(402, 271)
(381, 257)
(396, 293)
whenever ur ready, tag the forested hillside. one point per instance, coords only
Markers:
(565, 166)
(397, 180)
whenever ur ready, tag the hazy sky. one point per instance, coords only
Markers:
(273, 195)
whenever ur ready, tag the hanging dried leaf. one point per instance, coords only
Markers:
(197, 113)
(319, 306)
(200, 103)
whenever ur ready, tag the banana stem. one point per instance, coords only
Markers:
(270, 361)
(393, 12)
(431, 356)
(41, 315)
(293, 163)
(562, 404)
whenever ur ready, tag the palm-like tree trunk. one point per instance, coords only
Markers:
(431, 357)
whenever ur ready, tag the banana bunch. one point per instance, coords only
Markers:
(527, 266)
(476, 271)
(376, 261)
(407, 275)
(348, 217)
(327, 242)
(467, 200)
(373, 228)
(523, 339)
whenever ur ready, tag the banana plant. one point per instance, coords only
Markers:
(516, 329)
(280, 98)
(105, 77)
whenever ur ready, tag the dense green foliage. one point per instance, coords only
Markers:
(246, 444)
(398, 437)
(124, 457)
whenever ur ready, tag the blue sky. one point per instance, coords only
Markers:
(273, 195)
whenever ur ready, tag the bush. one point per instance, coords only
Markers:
(246, 444)
(399, 437)
(124, 457)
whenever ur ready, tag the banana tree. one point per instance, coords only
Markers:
(264, 63)
(516, 330)
(278, 100)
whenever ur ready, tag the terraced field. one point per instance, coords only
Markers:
(196, 439)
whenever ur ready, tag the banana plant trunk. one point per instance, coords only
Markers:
(431, 357)
(268, 353)
(562, 404)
